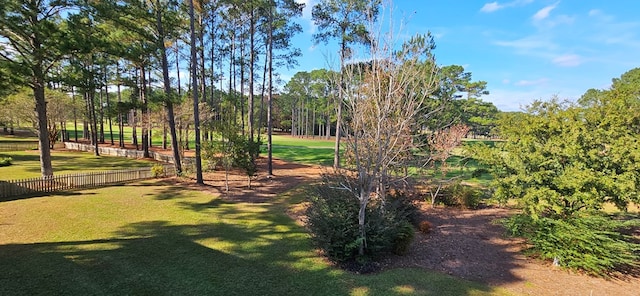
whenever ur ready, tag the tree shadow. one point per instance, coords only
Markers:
(249, 249)
(157, 258)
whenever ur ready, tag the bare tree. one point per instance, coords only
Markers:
(441, 144)
(385, 102)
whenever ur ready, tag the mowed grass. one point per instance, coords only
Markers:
(302, 150)
(26, 164)
(153, 238)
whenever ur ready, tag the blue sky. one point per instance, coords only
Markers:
(524, 49)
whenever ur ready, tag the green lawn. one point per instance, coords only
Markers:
(302, 150)
(152, 238)
(320, 151)
(26, 164)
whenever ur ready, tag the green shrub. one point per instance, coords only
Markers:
(158, 171)
(458, 195)
(591, 243)
(332, 218)
(5, 161)
(478, 172)
(404, 237)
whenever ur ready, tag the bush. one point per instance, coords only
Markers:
(477, 173)
(5, 161)
(591, 243)
(332, 218)
(458, 195)
(158, 171)
(403, 239)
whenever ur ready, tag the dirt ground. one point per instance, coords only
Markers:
(463, 243)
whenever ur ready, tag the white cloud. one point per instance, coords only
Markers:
(600, 15)
(544, 12)
(568, 60)
(595, 12)
(491, 7)
(532, 82)
(494, 6)
(306, 14)
(506, 81)
(529, 43)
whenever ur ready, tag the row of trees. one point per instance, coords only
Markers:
(307, 105)
(84, 47)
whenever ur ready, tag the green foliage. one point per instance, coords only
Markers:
(5, 161)
(560, 158)
(333, 221)
(232, 150)
(332, 218)
(158, 171)
(591, 243)
(563, 162)
(404, 238)
(459, 195)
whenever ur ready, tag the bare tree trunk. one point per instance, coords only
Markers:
(168, 103)
(270, 97)
(106, 88)
(43, 136)
(101, 136)
(252, 61)
(145, 113)
(194, 82)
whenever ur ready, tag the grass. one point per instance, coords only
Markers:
(320, 151)
(302, 150)
(26, 164)
(152, 238)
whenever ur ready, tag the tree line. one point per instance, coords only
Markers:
(89, 48)
(120, 62)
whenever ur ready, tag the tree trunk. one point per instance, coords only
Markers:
(101, 136)
(145, 113)
(194, 81)
(94, 123)
(168, 103)
(336, 149)
(43, 136)
(252, 61)
(270, 97)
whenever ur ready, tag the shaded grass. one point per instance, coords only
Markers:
(26, 164)
(157, 239)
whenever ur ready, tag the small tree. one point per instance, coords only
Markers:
(385, 103)
(441, 145)
(232, 150)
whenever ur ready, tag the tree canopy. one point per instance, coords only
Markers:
(559, 158)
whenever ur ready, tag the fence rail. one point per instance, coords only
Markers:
(24, 187)
(15, 146)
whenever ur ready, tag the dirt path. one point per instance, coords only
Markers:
(463, 243)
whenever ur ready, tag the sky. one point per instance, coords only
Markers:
(525, 50)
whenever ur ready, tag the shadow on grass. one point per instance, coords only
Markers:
(43, 194)
(247, 249)
(156, 258)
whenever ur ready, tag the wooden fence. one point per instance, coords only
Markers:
(18, 146)
(33, 186)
